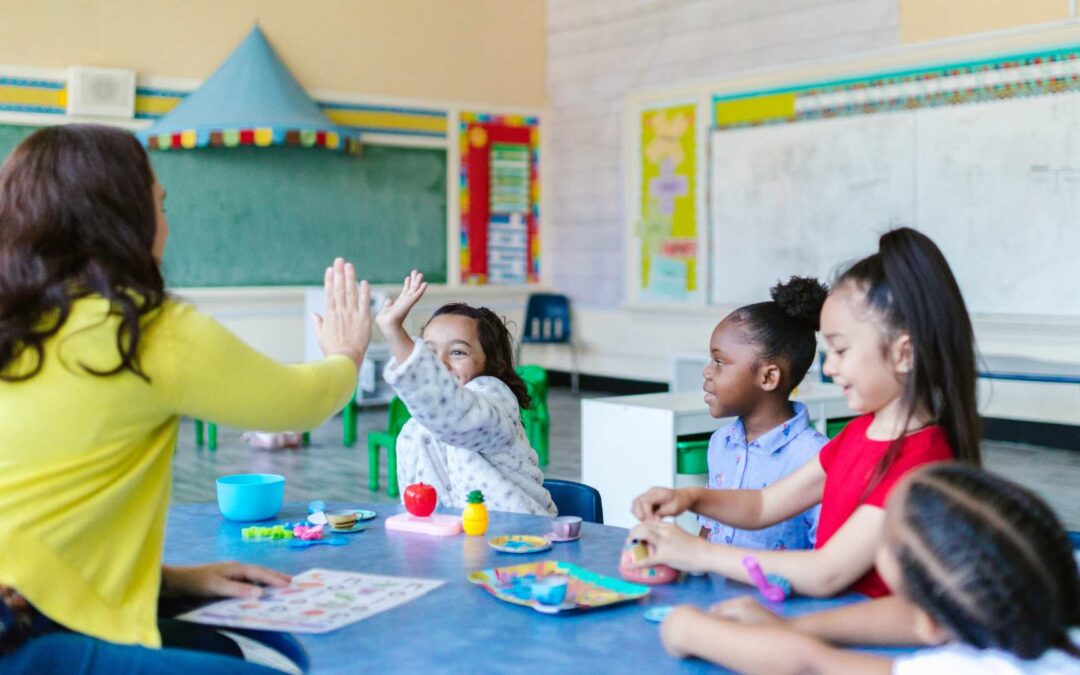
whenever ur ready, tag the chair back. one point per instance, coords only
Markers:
(536, 381)
(547, 319)
(576, 499)
(397, 416)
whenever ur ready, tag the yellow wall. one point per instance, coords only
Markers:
(488, 51)
(922, 20)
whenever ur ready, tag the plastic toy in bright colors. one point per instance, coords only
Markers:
(519, 543)
(773, 587)
(420, 502)
(658, 614)
(319, 517)
(585, 589)
(635, 551)
(474, 518)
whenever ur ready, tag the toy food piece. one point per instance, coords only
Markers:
(475, 516)
(634, 551)
(420, 499)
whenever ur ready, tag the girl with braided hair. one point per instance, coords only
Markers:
(901, 346)
(983, 573)
(458, 381)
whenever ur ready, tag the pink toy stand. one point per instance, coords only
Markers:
(437, 524)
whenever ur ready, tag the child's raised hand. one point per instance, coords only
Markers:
(660, 502)
(345, 326)
(746, 610)
(393, 312)
(670, 545)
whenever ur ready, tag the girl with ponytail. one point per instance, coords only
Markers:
(901, 346)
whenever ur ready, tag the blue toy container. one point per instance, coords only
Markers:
(250, 496)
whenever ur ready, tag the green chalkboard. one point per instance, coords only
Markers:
(277, 216)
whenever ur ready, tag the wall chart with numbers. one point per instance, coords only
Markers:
(317, 601)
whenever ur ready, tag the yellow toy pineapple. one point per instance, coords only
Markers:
(475, 516)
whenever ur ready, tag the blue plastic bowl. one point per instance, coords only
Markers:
(250, 496)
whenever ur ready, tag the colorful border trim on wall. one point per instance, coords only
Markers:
(1019, 75)
(260, 137)
(33, 96)
(49, 97)
(477, 134)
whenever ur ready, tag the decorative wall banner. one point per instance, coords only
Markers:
(500, 199)
(1020, 75)
(49, 97)
(668, 226)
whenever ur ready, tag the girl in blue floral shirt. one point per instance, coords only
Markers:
(759, 354)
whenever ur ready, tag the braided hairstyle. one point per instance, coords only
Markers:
(988, 560)
(497, 344)
(911, 289)
(783, 328)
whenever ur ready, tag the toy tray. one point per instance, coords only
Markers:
(586, 589)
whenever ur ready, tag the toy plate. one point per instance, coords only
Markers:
(658, 613)
(563, 540)
(519, 543)
(361, 514)
(587, 589)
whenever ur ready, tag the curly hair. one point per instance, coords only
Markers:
(497, 343)
(77, 218)
(784, 327)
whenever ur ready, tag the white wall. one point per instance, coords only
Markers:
(600, 50)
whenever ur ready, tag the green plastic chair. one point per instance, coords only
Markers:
(535, 418)
(397, 415)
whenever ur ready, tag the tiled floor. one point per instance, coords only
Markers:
(330, 471)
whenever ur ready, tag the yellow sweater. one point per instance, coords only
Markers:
(85, 461)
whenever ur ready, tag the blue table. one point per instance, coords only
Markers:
(459, 627)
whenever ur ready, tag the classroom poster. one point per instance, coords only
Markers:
(667, 228)
(499, 199)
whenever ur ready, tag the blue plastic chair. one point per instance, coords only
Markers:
(576, 499)
(547, 321)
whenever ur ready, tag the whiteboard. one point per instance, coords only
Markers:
(996, 185)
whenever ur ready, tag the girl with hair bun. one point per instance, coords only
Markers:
(757, 355)
(900, 344)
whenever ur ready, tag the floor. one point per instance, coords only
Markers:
(330, 471)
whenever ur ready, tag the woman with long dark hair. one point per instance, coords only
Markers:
(97, 364)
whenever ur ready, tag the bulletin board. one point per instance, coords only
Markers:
(667, 244)
(499, 199)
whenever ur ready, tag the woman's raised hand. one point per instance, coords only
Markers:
(345, 326)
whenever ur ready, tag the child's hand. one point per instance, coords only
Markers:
(677, 629)
(393, 312)
(746, 610)
(227, 579)
(660, 502)
(345, 326)
(670, 545)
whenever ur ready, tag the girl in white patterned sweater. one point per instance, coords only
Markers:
(459, 384)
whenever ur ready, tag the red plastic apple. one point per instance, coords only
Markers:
(420, 499)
